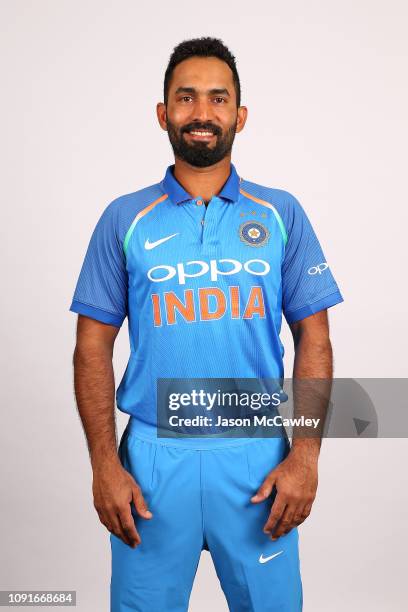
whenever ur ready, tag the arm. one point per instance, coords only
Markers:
(313, 360)
(95, 387)
(296, 478)
(114, 489)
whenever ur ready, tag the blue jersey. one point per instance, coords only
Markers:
(203, 288)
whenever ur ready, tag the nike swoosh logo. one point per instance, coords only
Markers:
(263, 559)
(151, 245)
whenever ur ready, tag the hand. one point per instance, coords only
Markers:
(114, 489)
(296, 482)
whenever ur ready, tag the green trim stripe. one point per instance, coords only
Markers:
(281, 225)
(129, 234)
(139, 216)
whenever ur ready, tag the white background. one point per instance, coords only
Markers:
(326, 88)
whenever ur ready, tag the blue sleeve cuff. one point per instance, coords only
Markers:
(309, 309)
(96, 313)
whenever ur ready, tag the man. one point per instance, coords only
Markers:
(203, 263)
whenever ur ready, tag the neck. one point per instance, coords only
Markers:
(204, 182)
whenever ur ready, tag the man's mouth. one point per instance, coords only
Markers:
(200, 135)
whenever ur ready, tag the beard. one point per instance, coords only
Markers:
(200, 154)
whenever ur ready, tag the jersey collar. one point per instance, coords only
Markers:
(178, 194)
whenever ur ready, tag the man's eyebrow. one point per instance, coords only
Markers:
(214, 91)
(222, 90)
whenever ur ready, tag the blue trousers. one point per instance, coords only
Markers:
(199, 495)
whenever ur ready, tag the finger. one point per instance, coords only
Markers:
(104, 519)
(264, 490)
(302, 514)
(307, 510)
(128, 527)
(278, 508)
(285, 523)
(117, 530)
(299, 514)
(298, 518)
(140, 503)
(112, 522)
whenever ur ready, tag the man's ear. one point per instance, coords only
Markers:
(161, 112)
(241, 118)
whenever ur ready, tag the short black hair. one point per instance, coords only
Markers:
(201, 47)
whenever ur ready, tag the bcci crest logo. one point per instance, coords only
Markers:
(254, 233)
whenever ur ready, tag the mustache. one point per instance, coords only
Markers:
(191, 127)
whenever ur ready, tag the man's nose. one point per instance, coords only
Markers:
(202, 110)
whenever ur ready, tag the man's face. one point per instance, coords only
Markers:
(201, 116)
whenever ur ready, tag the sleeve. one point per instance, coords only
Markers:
(101, 290)
(308, 285)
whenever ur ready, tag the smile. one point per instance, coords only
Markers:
(197, 133)
(200, 135)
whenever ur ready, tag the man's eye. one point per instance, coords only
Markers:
(184, 98)
(220, 99)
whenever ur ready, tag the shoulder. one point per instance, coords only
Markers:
(119, 214)
(285, 203)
